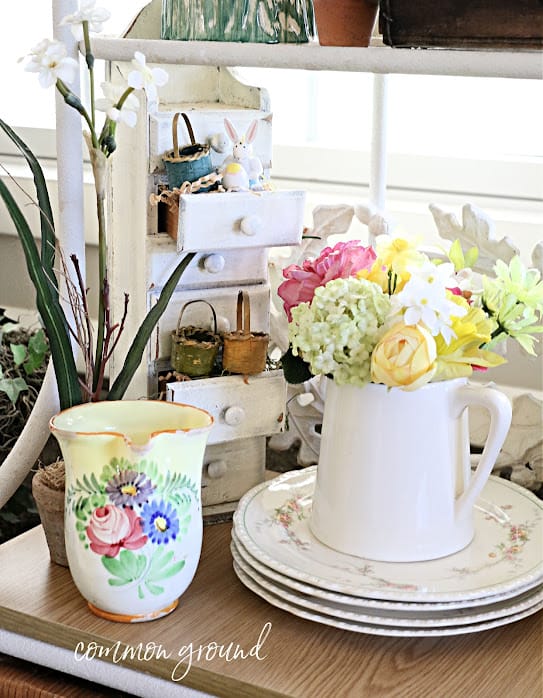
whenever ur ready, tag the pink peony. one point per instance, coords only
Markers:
(338, 262)
(112, 528)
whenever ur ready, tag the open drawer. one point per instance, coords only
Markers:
(233, 220)
(241, 407)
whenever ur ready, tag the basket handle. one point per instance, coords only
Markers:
(198, 300)
(174, 132)
(243, 315)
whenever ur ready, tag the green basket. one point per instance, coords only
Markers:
(195, 349)
(188, 163)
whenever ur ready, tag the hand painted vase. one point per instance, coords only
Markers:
(133, 517)
(394, 481)
(259, 21)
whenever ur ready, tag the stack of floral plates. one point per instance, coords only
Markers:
(496, 580)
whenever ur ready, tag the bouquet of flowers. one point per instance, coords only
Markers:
(395, 316)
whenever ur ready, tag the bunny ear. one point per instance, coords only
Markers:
(230, 130)
(251, 131)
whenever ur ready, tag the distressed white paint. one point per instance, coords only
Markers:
(233, 220)
(375, 59)
(241, 406)
(232, 468)
(247, 268)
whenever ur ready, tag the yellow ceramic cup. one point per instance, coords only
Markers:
(133, 515)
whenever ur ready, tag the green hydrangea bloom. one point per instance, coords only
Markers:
(338, 331)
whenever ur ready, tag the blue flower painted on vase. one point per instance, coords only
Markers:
(160, 522)
(129, 488)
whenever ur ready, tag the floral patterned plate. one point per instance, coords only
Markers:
(271, 522)
(374, 629)
(396, 618)
(411, 607)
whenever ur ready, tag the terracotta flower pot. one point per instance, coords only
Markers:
(345, 22)
(48, 493)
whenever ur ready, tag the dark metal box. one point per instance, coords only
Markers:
(462, 23)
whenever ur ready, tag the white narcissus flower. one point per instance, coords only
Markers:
(95, 16)
(145, 78)
(49, 59)
(112, 94)
(424, 299)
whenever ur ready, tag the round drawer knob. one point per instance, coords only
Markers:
(214, 263)
(234, 415)
(216, 469)
(251, 225)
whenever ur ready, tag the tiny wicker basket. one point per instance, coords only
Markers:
(188, 163)
(244, 351)
(194, 349)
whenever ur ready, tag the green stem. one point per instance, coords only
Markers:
(73, 101)
(90, 65)
(102, 276)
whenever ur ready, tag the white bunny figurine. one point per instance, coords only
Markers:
(242, 169)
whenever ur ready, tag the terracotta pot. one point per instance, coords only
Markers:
(50, 504)
(345, 22)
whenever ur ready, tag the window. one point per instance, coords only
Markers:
(450, 139)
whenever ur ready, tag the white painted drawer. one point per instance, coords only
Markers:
(211, 269)
(241, 408)
(223, 300)
(230, 469)
(233, 220)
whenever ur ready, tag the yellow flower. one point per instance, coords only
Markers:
(398, 254)
(380, 275)
(404, 357)
(394, 257)
(456, 359)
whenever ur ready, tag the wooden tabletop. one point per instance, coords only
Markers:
(298, 658)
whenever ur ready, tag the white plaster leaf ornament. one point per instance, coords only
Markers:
(476, 230)
(537, 257)
(374, 219)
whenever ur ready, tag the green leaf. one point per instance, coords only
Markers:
(46, 213)
(13, 387)
(167, 572)
(159, 559)
(52, 314)
(37, 350)
(456, 255)
(135, 352)
(295, 369)
(117, 582)
(472, 255)
(154, 588)
(19, 353)
(133, 564)
(116, 568)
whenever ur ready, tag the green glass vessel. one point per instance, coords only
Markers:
(260, 21)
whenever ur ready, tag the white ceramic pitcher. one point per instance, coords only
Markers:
(394, 481)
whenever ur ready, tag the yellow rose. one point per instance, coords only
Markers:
(404, 357)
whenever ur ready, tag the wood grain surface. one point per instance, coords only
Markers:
(300, 658)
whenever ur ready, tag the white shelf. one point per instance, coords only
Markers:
(375, 59)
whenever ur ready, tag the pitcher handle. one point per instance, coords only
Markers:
(500, 411)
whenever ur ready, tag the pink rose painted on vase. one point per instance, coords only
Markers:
(112, 528)
(339, 262)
